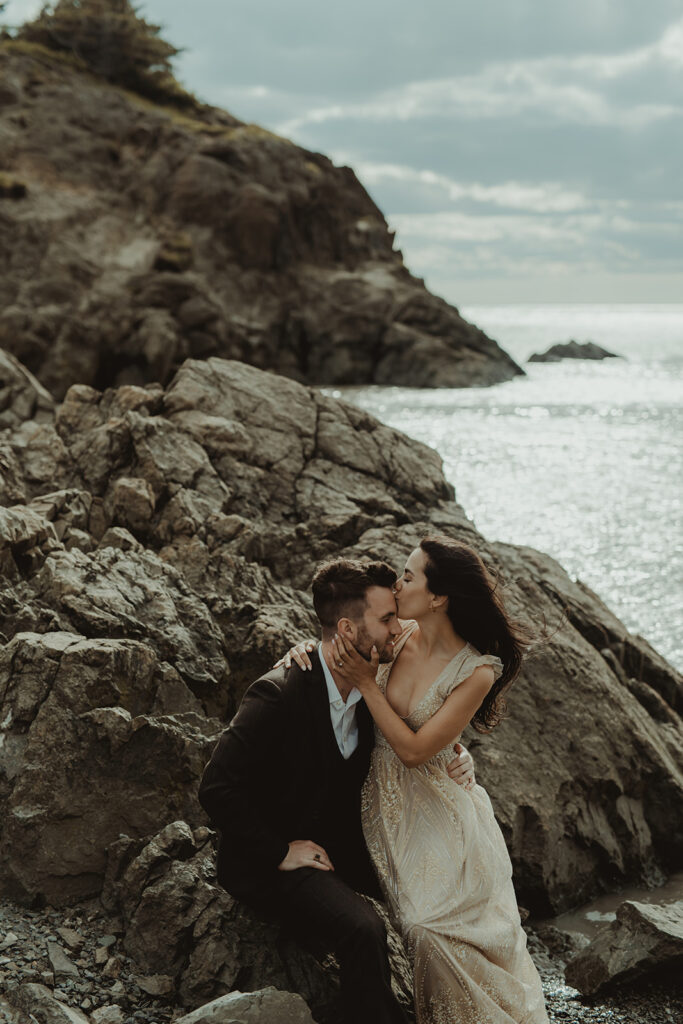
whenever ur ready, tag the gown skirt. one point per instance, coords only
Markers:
(446, 875)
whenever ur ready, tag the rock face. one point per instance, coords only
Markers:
(645, 938)
(178, 921)
(36, 1002)
(132, 237)
(157, 546)
(267, 1006)
(572, 350)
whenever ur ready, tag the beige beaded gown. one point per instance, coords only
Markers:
(447, 878)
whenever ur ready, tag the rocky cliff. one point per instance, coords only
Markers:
(133, 236)
(157, 545)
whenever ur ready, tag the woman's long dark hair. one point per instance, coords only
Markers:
(477, 613)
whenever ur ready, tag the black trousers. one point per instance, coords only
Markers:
(321, 911)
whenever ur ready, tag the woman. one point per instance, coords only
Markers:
(437, 848)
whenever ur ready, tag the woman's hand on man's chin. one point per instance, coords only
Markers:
(352, 666)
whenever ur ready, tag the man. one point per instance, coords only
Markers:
(283, 789)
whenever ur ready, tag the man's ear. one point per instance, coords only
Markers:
(346, 628)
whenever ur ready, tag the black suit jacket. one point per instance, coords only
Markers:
(267, 782)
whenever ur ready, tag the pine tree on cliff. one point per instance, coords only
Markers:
(113, 41)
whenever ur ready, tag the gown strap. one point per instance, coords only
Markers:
(472, 660)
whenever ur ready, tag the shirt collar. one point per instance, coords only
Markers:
(332, 691)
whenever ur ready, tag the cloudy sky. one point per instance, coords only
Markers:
(524, 150)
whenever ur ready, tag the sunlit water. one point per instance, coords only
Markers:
(580, 459)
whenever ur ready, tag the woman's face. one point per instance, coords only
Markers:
(412, 594)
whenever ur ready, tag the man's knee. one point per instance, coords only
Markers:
(369, 931)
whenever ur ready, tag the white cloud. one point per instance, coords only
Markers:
(567, 88)
(454, 226)
(544, 197)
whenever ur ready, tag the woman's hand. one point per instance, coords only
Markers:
(352, 666)
(461, 768)
(299, 653)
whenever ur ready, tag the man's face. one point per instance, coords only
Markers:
(379, 625)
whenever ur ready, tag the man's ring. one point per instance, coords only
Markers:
(340, 663)
(316, 856)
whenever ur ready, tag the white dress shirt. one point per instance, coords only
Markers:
(343, 715)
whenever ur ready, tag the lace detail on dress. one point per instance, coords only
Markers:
(446, 875)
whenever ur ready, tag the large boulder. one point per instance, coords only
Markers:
(179, 922)
(267, 1006)
(173, 533)
(30, 1002)
(144, 236)
(100, 738)
(645, 939)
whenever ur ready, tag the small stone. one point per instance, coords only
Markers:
(106, 941)
(8, 940)
(101, 955)
(108, 1015)
(156, 984)
(73, 939)
(117, 990)
(61, 965)
(112, 968)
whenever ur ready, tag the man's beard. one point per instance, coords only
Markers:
(364, 646)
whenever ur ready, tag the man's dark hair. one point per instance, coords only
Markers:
(339, 588)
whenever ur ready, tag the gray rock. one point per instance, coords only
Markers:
(22, 397)
(572, 350)
(62, 966)
(156, 985)
(74, 693)
(644, 939)
(267, 1006)
(73, 939)
(38, 1002)
(108, 1015)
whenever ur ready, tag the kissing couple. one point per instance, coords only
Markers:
(337, 780)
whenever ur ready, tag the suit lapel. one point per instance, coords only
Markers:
(315, 727)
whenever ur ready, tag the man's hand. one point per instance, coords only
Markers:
(305, 854)
(461, 768)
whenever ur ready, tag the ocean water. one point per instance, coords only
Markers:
(583, 460)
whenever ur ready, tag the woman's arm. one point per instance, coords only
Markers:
(414, 748)
(300, 653)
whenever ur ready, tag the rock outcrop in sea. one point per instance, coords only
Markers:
(133, 236)
(572, 350)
